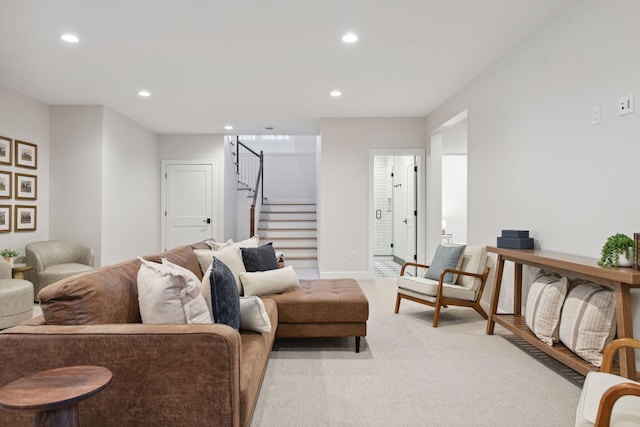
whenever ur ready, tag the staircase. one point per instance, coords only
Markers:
(293, 230)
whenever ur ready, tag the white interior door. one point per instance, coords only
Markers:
(411, 210)
(188, 202)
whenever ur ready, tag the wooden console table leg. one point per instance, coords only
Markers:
(495, 295)
(517, 289)
(625, 329)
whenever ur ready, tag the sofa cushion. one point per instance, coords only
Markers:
(170, 294)
(262, 258)
(446, 257)
(253, 315)
(544, 306)
(322, 302)
(224, 295)
(103, 295)
(588, 321)
(428, 288)
(269, 282)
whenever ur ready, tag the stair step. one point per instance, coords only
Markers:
(299, 233)
(297, 207)
(285, 225)
(285, 215)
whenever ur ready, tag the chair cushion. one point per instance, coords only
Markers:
(626, 411)
(446, 257)
(61, 271)
(429, 288)
(474, 260)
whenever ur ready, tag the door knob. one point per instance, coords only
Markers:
(404, 220)
(208, 220)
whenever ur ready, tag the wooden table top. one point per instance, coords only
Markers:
(54, 388)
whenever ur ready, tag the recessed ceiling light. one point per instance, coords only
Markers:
(144, 93)
(70, 38)
(349, 38)
(335, 93)
(228, 127)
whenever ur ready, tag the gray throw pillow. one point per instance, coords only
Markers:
(262, 258)
(444, 258)
(225, 300)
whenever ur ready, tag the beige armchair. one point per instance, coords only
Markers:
(54, 260)
(608, 399)
(16, 298)
(466, 291)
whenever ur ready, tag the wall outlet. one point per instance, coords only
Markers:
(595, 115)
(352, 256)
(625, 104)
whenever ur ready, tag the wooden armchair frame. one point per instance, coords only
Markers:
(442, 301)
(615, 392)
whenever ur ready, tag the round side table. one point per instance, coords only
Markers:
(17, 272)
(54, 394)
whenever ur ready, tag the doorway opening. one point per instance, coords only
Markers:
(395, 201)
(453, 161)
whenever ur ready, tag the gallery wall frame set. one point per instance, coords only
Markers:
(17, 185)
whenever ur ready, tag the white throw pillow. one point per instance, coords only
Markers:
(253, 315)
(544, 306)
(169, 295)
(230, 255)
(269, 282)
(205, 289)
(252, 242)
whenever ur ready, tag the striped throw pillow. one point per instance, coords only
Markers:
(544, 306)
(588, 321)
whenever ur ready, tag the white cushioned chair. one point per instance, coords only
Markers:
(465, 291)
(55, 260)
(16, 298)
(608, 399)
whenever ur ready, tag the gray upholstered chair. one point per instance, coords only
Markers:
(16, 298)
(54, 260)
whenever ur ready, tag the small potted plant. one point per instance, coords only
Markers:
(9, 255)
(617, 251)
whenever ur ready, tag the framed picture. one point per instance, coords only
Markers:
(5, 185)
(5, 218)
(26, 155)
(5, 150)
(25, 218)
(26, 186)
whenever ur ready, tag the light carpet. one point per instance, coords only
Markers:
(410, 374)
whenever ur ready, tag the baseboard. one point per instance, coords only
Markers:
(344, 274)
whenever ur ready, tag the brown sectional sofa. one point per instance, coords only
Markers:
(189, 375)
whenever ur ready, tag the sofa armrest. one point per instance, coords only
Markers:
(162, 374)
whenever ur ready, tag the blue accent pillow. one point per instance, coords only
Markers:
(262, 258)
(444, 258)
(225, 300)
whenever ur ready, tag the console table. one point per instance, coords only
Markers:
(620, 279)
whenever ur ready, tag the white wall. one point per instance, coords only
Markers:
(76, 175)
(26, 119)
(344, 186)
(534, 160)
(130, 190)
(201, 147)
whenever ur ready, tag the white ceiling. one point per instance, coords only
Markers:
(257, 63)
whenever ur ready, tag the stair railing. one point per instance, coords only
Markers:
(250, 169)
